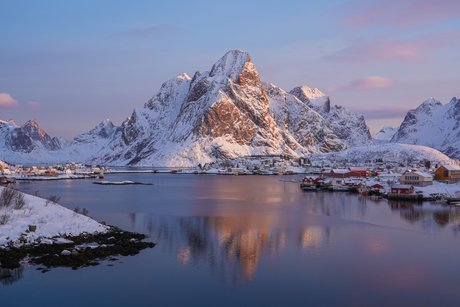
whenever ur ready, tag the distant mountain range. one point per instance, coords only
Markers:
(224, 113)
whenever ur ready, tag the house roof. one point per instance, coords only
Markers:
(423, 174)
(401, 186)
(357, 169)
(451, 167)
(340, 171)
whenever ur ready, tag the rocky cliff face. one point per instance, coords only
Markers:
(434, 125)
(351, 128)
(220, 113)
(301, 126)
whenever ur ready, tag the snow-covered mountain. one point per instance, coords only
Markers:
(227, 112)
(387, 152)
(27, 143)
(349, 127)
(434, 125)
(221, 113)
(31, 144)
(309, 129)
(90, 143)
(384, 135)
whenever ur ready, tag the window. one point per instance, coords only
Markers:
(446, 173)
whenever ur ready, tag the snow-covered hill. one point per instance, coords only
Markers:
(434, 125)
(387, 152)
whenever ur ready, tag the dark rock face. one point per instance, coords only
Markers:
(19, 141)
(37, 134)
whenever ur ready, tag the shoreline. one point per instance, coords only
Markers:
(76, 251)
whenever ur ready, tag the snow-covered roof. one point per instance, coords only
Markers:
(423, 174)
(389, 175)
(451, 167)
(401, 186)
(340, 171)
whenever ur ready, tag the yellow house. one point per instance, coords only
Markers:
(447, 172)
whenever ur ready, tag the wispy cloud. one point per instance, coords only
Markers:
(34, 104)
(394, 50)
(381, 113)
(150, 32)
(7, 102)
(363, 84)
(368, 83)
(399, 14)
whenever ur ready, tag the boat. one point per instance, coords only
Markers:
(101, 175)
(339, 188)
(455, 199)
(309, 188)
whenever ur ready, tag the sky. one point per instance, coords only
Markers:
(73, 64)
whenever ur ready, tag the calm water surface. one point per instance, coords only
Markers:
(252, 241)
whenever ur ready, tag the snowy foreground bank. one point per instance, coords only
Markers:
(51, 220)
(39, 231)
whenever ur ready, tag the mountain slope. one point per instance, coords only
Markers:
(351, 128)
(434, 125)
(300, 125)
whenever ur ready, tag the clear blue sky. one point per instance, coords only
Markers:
(72, 64)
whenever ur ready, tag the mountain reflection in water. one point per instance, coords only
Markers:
(232, 245)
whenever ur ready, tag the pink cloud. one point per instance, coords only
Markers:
(7, 102)
(394, 50)
(150, 32)
(400, 14)
(33, 104)
(368, 83)
(332, 88)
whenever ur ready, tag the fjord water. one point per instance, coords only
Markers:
(252, 240)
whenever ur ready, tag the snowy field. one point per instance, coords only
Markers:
(51, 220)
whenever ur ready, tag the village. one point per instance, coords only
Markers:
(419, 180)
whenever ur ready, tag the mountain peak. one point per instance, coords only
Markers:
(431, 102)
(231, 64)
(34, 131)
